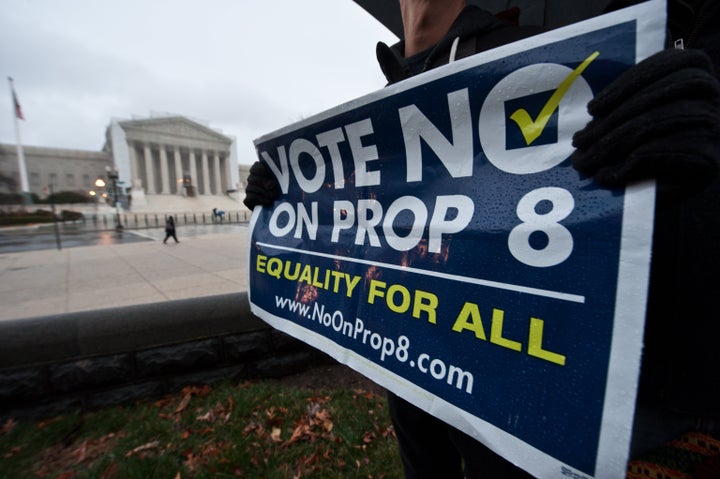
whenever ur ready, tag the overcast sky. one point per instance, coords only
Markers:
(246, 67)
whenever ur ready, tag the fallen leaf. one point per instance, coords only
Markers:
(217, 413)
(274, 416)
(200, 392)
(207, 417)
(368, 437)
(253, 426)
(192, 462)
(275, 434)
(299, 432)
(144, 447)
(45, 423)
(81, 452)
(313, 459)
(322, 415)
(183, 404)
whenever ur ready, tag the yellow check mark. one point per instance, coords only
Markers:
(532, 129)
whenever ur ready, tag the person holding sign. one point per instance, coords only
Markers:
(659, 120)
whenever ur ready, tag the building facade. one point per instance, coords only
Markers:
(171, 155)
(61, 169)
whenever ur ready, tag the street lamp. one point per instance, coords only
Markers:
(100, 185)
(112, 174)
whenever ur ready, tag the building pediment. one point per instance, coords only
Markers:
(172, 130)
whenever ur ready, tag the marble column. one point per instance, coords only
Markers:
(149, 171)
(164, 171)
(178, 171)
(193, 171)
(134, 167)
(206, 174)
(219, 189)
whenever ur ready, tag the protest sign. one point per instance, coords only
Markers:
(435, 237)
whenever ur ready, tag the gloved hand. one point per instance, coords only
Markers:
(660, 119)
(262, 188)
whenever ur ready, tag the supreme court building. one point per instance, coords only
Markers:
(171, 155)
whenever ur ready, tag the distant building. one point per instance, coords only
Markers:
(66, 170)
(156, 158)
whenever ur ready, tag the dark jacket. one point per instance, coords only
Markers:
(681, 353)
(696, 23)
(681, 356)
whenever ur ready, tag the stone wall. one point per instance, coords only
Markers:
(98, 358)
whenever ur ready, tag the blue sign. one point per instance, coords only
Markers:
(435, 237)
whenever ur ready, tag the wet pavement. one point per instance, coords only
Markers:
(135, 268)
(43, 237)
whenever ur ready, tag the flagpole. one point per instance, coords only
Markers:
(24, 185)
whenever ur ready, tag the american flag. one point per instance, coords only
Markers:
(18, 109)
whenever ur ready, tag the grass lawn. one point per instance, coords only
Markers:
(258, 429)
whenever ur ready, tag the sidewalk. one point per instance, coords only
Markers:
(38, 283)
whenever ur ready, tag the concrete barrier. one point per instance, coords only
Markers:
(98, 358)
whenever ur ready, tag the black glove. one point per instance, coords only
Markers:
(262, 188)
(660, 119)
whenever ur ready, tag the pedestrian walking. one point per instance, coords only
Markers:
(170, 230)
